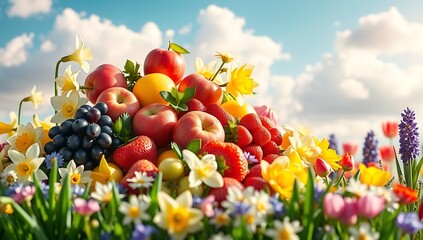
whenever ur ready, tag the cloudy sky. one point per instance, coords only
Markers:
(336, 67)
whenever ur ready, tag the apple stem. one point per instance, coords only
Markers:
(217, 72)
(168, 47)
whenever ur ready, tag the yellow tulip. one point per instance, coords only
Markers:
(373, 176)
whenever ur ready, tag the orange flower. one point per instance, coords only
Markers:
(405, 194)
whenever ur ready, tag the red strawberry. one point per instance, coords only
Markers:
(221, 114)
(270, 148)
(255, 171)
(230, 155)
(254, 150)
(261, 136)
(193, 105)
(140, 148)
(221, 193)
(242, 137)
(266, 122)
(251, 121)
(276, 135)
(270, 157)
(140, 166)
(258, 183)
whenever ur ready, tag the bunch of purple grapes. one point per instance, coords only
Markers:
(84, 139)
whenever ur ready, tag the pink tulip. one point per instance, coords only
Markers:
(347, 162)
(390, 129)
(350, 147)
(207, 206)
(23, 193)
(349, 214)
(370, 205)
(85, 208)
(333, 205)
(387, 153)
(322, 168)
(266, 111)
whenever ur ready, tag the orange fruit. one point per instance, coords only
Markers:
(147, 88)
(236, 110)
(164, 155)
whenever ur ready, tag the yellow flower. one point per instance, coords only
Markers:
(9, 128)
(207, 71)
(36, 97)
(240, 82)
(68, 81)
(373, 176)
(26, 165)
(106, 172)
(66, 106)
(305, 146)
(177, 215)
(24, 137)
(81, 55)
(328, 155)
(45, 125)
(225, 56)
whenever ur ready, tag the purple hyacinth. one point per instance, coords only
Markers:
(409, 136)
(333, 143)
(370, 150)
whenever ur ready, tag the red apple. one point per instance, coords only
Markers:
(118, 101)
(206, 91)
(197, 125)
(103, 77)
(155, 121)
(167, 62)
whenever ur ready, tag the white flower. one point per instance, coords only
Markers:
(68, 81)
(284, 230)
(36, 97)
(364, 231)
(77, 175)
(220, 236)
(204, 170)
(357, 188)
(104, 192)
(135, 209)
(207, 71)
(24, 137)
(221, 218)
(26, 165)
(81, 55)
(9, 178)
(66, 106)
(140, 180)
(260, 202)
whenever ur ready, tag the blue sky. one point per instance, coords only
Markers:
(336, 66)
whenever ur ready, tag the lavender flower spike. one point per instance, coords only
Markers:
(370, 150)
(409, 136)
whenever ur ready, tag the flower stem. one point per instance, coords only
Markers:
(85, 88)
(217, 72)
(56, 74)
(340, 178)
(19, 112)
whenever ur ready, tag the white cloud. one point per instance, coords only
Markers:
(27, 8)
(186, 29)
(15, 52)
(47, 46)
(169, 34)
(353, 89)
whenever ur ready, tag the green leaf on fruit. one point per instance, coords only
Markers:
(194, 146)
(178, 99)
(177, 48)
(187, 94)
(131, 73)
(123, 128)
(221, 165)
(176, 149)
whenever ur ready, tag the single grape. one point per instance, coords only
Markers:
(66, 153)
(90, 165)
(108, 130)
(96, 152)
(66, 127)
(87, 142)
(49, 147)
(102, 107)
(105, 120)
(79, 125)
(104, 140)
(81, 113)
(116, 142)
(93, 130)
(86, 106)
(93, 115)
(80, 156)
(53, 131)
(59, 141)
(74, 142)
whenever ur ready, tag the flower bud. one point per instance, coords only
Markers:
(333, 205)
(347, 162)
(351, 148)
(266, 111)
(387, 153)
(322, 168)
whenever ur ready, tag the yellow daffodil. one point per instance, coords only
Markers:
(289, 132)
(373, 176)
(36, 97)
(77, 175)
(177, 215)
(207, 71)
(9, 128)
(204, 170)
(24, 137)
(26, 165)
(328, 155)
(81, 55)
(106, 172)
(305, 146)
(45, 125)
(225, 56)
(240, 82)
(66, 106)
(68, 81)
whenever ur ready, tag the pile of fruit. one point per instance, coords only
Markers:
(142, 123)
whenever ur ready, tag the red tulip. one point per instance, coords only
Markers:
(387, 153)
(390, 129)
(350, 147)
(322, 167)
(421, 210)
(347, 162)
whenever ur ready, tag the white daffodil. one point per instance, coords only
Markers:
(81, 55)
(204, 170)
(68, 81)
(284, 230)
(77, 175)
(135, 209)
(104, 192)
(66, 106)
(24, 137)
(36, 97)
(140, 180)
(363, 231)
(26, 165)
(177, 215)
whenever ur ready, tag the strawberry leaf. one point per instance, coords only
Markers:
(221, 165)
(177, 48)
(131, 73)
(123, 128)
(187, 94)
(194, 146)
(178, 99)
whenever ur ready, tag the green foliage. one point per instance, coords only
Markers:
(132, 73)
(178, 99)
(123, 128)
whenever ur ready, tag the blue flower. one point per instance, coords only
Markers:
(370, 150)
(54, 157)
(409, 222)
(333, 143)
(277, 206)
(409, 136)
(142, 232)
(250, 158)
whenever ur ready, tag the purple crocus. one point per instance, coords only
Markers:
(370, 150)
(409, 136)
(333, 143)
(409, 222)
(142, 232)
